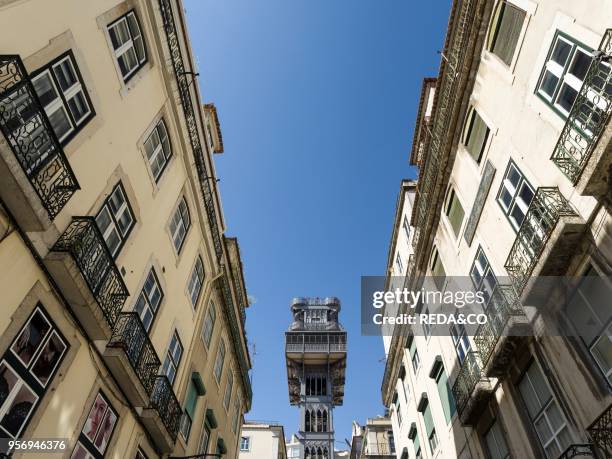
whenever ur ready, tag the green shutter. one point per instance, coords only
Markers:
(417, 444)
(508, 31)
(455, 212)
(191, 399)
(429, 425)
(477, 137)
(446, 395)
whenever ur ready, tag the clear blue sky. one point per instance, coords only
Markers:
(317, 101)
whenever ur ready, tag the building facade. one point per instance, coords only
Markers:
(315, 352)
(123, 324)
(262, 440)
(513, 147)
(374, 440)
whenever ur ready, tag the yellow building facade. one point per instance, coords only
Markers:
(123, 303)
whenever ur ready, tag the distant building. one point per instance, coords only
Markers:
(374, 440)
(262, 440)
(294, 446)
(316, 360)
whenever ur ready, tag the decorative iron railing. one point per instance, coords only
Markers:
(27, 129)
(469, 376)
(164, 401)
(600, 432)
(377, 449)
(546, 208)
(589, 114)
(584, 450)
(84, 241)
(503, 305)
(181, 73)
(309, 342)
(447, 99)
(130, 335)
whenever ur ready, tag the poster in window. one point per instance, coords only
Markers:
(48, 359)
(30, 338)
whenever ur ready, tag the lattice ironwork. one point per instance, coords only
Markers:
(503, 305)
(583, 450)
(589, 114)
(600, 432)
(27, 129)
(546, 208)
(84, 241)
(164, 401)
(469, 376)
(205, 178)
(130, 335)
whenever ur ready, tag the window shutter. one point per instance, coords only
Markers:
(190, 400)
(429, 425)
(479, 132)
(446, 396)
(455, 213)
(508, 30)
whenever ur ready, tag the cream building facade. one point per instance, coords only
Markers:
(123, 302)
(374, 440)
(262, 440)
(514, 165)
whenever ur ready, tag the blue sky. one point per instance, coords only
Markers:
(317, 101)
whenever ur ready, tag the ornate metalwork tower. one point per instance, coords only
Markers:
(315, 350)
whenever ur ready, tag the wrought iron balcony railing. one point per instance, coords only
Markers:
(584, 450)
(546, 208)
(311, 342)
(164, 401)
(600, 432)
(468, 378)
(503, 306)
(84, 241)
(589, 114)
(27, 129)
(130, 335)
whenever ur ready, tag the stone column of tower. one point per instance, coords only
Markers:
(315, 350)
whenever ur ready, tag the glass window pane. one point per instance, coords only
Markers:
(60, 123)
(508, 32)
(44, 89)
(119, 33)
(30, 338)
(560, 52)
(78, 106)
(580, 64)
(65, 74)
(549, 83)
(566, 97)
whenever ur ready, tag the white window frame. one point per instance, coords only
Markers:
(196, 281)
(514, 192)
(180, 222)
(161, 149)
(245, 443)
(229, 387)
(115, 217)
(128, 45)
(147, 295)
(209, 324)
(219, 361)
(173, 362)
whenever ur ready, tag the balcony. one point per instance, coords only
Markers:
(378, 449)
(546, 240)
(37, 171)
(163, 415)
(600, 432)
(497, 339)
(583, 450)
(132, 358)
(316, 346)
(471, 389)
(580, 152)
(84, 269)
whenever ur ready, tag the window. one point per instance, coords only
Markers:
(97, 431)
(157, 148)
(228, 389)
(245, 443)
(63, 95)
(115, 220)
(460, 341)
(315, 316)
(589, 311)
(406, 227)
(140, 454)
(454, 211)
(433, 440)
(414, 357)
(209, 324)
(505, 31)
(391, 442)
(179, 225)
(237, 414)
(496, 444)
(432, 436)
(544, 412)
(426, 325)
(316, 385)
(404, 384)
(128, 44)
(398, 411)
(26, 370)
(476, 135)
(563, 74)
(482, 275)
(219, 361)
(437, 269)
(515, 195)
(149, 300)
(445, 392)
(173, 358)
(399, 264)
(191, 400)
(195, 281)
(204, 439)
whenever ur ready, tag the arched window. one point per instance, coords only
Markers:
(325, 453)
(319, 421)
(319, 453)
(307, 421)
(324, 420)
(324, 386)
(307, 453)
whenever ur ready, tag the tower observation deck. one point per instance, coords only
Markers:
(315, 351)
